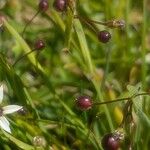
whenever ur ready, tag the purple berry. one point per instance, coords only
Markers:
(84, 102)
(104, 36)
(110, 142)
(43, 5)
(23, 111)
(60, 5)
(39, 44)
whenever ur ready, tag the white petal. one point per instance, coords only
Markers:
(11, 109)
(4, 124)
(1, 93)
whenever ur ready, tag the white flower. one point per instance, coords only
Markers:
(4, 123)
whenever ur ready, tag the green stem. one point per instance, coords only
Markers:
(29, 23)
(120, 99)
(31, 103)
(90, 69)
(144, 67)
(83, 46)
(143, 45)
(88, 22)
(127, 12)
(23, 57)
(68, 29)
(97, 87)
(108, 54)
(23, 44)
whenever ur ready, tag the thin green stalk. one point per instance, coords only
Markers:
(144, 68)
(120, 99)
(83, 45)
(89, 64)
(88, 22)
(127, 12)
(29, 22)
(68, 29)
(22, 43)
(143, 50)
(31, 103)
(108, 56)
(107, 9)
(22, 57)
(19, 143)
(97, 87)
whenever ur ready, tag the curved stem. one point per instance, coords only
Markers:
(110, 24)
(29, 22)
(127, 112)
(121, 99)
(87, 22)
(23, 57)
(106, 71)
(90, 20)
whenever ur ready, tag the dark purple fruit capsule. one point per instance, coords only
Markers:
(23, 111)
(104, 36)
(39, 44)
(43, 5)
(84, 102)
(60, 5)
(110, 142)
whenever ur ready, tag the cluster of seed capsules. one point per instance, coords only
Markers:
(61, 6)
(110, 141)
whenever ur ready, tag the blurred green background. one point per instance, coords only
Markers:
(74, 63)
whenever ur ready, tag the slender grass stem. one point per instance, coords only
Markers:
(110, 24)
(88, 22)
(31, 103)
(23, 57)
(90, 69)
(23, 44)
(108, 54)
(127, 28)
(99, 93)
(29, 22)
(143, 50)
(144, 68)
(120, 99)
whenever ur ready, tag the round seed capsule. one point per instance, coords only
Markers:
(110, 142)
(39, 44)
(43, 5)
(104, 36)
(60, 5)
(84, 102)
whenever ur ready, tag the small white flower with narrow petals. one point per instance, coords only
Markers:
(4, 123)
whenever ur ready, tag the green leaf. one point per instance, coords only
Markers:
(83, 45)
(142, 116)
(23, 44)
(134, 89)
(19, 143)
(68, 30)
(13, 79)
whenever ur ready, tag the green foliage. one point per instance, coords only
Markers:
(75, 63)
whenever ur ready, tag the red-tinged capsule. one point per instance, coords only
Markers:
(39, 44)
(43, 5)
(60, 5)
(110, 142)
(84, 102)
(104, 36)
